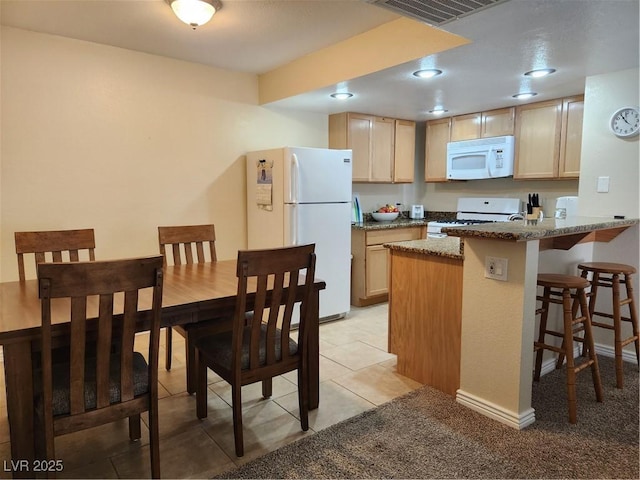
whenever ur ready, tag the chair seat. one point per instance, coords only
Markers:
(556, 280)
(606, 267)
(61, 380)
(218, 348)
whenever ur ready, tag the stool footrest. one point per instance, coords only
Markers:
(582, 366)
(608, 315)
(553, 348)
(629, 340)
(601, 325)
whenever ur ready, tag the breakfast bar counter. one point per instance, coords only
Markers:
(498, 315)
(549, 228)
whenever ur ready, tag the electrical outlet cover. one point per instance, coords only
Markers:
(496, 268)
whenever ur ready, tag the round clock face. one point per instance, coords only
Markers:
(625, 122)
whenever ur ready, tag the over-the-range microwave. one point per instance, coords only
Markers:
(482, 158)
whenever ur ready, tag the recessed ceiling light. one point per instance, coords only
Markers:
(438, 111)
(342, 95)
(428, 73)
(541, 72)
(525, 95)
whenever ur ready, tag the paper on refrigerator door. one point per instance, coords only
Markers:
(264, 184)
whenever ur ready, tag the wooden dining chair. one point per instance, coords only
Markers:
(54, 245)
(180, 245)
(102, 386)
(258, 351)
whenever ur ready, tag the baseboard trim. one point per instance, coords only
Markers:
(491, 410)
(549, 365)
(520, 421)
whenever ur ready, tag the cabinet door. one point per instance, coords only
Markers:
(360, 141)
(571, 137)
(498, 123)
(435, 168)
(382, 150)
(405, 151)
(538, 140)
(376, 282)
(465, 127)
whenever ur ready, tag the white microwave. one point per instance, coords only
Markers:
(481, 158)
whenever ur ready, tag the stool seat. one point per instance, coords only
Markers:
(556, 280)
(568, 291)
(604, 267)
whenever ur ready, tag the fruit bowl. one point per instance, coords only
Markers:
(385, 217)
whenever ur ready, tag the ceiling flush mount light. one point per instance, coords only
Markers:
(525, 95)
(541, 72)
(195, 12)
(428, 73)
(438, 111)
(342, 95)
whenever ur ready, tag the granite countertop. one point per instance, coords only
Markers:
(548, 228)
(403, 221)
(450, 247)
(400, 222)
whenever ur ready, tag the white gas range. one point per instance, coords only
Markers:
(478, 210)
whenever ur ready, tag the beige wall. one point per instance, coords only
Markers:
(603, 154)
(121, 141)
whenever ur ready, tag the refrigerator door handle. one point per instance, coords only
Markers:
(295, 172)
(293, 225)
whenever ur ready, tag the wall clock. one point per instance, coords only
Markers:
(625, 122)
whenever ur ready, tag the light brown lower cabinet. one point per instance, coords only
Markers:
(425, 314)
(370, 267)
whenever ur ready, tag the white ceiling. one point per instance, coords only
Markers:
(579, 38)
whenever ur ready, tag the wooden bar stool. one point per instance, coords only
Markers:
(609, 275)
(558, 289)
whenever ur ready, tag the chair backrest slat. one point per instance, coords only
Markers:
(103, 347)
(182, 240)
(128, 340)
(77, 354)
(56, 243)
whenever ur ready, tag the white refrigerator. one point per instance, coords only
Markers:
(296, 196)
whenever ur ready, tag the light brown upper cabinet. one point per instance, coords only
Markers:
(571, 137)
(405, 151)
(548, 139)
(437, 137)
(494, 123)
(383, 148)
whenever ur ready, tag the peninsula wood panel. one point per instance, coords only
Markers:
(425, 310)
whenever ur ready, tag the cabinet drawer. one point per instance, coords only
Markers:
(377, 237)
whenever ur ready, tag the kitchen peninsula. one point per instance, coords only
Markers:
(497, 318)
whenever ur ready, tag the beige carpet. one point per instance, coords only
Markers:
(425, 434)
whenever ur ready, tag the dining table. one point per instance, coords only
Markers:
(193, 293)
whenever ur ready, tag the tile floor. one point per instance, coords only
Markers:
(356, 374)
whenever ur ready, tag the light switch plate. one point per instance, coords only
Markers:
(603, 185)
